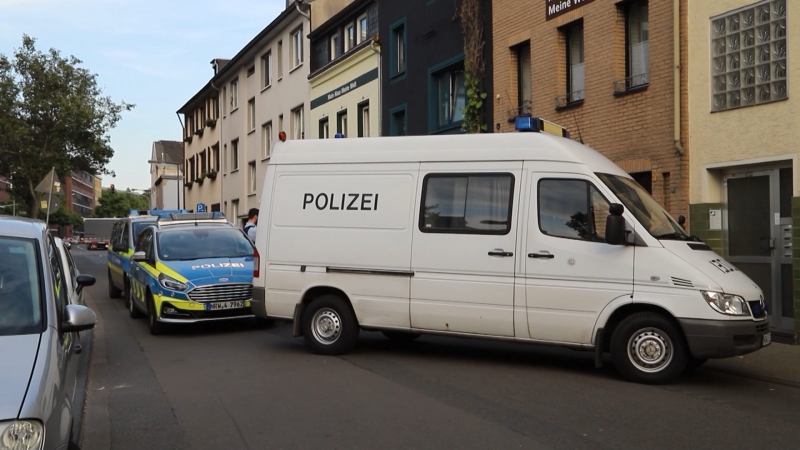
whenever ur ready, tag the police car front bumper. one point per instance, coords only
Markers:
(172, 313)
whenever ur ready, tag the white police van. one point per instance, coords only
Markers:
(526, 237)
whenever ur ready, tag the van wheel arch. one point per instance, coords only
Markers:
(319, 291)
(627, 310)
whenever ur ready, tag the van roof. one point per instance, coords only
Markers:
(528, 146)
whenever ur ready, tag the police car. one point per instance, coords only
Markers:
(120, 248)
(191, 268)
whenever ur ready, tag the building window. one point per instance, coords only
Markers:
(266, 70)
(324, 128)
(235, 211)
(362, 28)
(225, 157)
(234, 155)
(251, 176)
(334, 44)
(363, 120)
(251, 114)
(280, 123)
(575, 65)
(280, 59)
(637, 36)
(215, 157)
(298, 131)
(234, 94)
(224, 102)
(266, 139)
(449, 96)
(748, 49)
(572, 209)
(341, 122)
(469, 204)
(250, 71)
(297, 48)
(397, 61)
(349, 37)
(397, 121)
(523, 53)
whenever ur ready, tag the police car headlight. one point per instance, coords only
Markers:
(170, 283)
(732, 305)
(21, 435)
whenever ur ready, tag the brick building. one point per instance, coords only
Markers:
(605, 70)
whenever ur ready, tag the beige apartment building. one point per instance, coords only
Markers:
(744, 132)
(201, 142)
(263, 90)
(613, 73)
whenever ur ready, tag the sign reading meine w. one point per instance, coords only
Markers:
(555, 8)
(372, 75)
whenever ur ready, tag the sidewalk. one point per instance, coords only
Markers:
(777, 363)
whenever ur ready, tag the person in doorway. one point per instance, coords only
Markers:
(251, 226)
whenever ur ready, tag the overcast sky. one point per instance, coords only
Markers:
(153, 53)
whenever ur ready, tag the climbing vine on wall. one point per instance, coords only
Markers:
(470, 13)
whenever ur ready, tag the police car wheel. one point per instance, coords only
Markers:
(155, 326)
(648, 348)
(113, 291)
(330, 326)
(132, 309)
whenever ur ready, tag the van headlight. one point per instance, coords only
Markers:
(729, 304)
(170, 283)
(21, 435)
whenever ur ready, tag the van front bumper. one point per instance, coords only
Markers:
(723, 338)
(258, 305)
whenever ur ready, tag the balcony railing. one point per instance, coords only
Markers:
(626, 84)
(569, 98)
(525, 110)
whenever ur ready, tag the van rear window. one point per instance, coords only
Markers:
(467, 203)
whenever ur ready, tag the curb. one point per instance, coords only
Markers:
(754, 376)
(96, 432)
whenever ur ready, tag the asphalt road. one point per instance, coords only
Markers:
(236, 385)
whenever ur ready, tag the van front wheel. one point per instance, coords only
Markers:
(329, 325)
(648, 348)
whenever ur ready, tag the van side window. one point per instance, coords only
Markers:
(572, 209)
(467, 203)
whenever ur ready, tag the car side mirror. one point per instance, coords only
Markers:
(119, 247)
(615, 225)
(681, 220)
(139, 256)
(84, 280)
(78, 318)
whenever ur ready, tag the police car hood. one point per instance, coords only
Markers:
(197, 271)
(725, 274)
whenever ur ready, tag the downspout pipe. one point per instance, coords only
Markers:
(380, 91)
(180, 169)
(676, 34)
(297, 5)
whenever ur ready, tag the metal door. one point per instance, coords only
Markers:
(759, 236)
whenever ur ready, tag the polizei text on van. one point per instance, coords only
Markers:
(343, 202)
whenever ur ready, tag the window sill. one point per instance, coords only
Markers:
(266, 158)
(252, 194)
(448, 129)
(399, 76)
(280, 78)
(570, 105)
(234, 110)
(234, 171)
(296, 67)
(251, 131)
(266, 87)
(632, 90)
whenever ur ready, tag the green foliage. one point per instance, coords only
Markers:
(52, 114)
(473, 104)
(119, 204)
(63, 216)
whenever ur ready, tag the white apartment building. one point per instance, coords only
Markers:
(166, 175)
(263, 90)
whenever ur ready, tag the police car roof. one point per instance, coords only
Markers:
(192, 224)
(519, 146)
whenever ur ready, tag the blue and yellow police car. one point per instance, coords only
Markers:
(120, 248)
(191, 268)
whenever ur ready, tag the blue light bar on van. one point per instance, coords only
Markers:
(338, 136)
(538, 125)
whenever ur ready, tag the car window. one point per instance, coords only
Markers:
(202, 243)
(140, 242)
(470, 203)
(73, 270)
(572, 209)
(59, 280)
(123, 238)
(20, 287)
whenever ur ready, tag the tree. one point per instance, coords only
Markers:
(64, 217)
(52, 114)
(119, 204)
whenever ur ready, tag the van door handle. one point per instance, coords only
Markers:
(500, 253)
(541, 255)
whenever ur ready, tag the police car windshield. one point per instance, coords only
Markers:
(203, 243)
(647, 211)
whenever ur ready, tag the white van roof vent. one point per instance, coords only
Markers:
(680, 282)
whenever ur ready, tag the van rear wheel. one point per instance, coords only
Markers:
(330, 326)
(647, 348)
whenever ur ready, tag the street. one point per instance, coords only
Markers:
(239, 385)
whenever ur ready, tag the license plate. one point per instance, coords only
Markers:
(766, 339)
(224, 305)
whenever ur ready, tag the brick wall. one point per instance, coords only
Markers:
(634, 130)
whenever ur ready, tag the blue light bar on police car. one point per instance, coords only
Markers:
(338, 136)
(538, 125)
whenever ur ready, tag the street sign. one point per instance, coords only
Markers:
(44, 185)
(201, 208)
(49, 207)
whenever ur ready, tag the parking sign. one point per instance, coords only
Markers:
(201, 208)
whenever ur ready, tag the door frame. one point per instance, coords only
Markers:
(778, 256)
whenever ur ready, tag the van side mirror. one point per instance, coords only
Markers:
(139, 256)
(615, 225)
(681, 220)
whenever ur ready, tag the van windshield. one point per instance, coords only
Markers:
(203, 243)
(647, 211)
(20, 302)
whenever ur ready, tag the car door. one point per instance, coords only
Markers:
(571, 274)
(463, 251)
(140, 276)
(117, 259)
